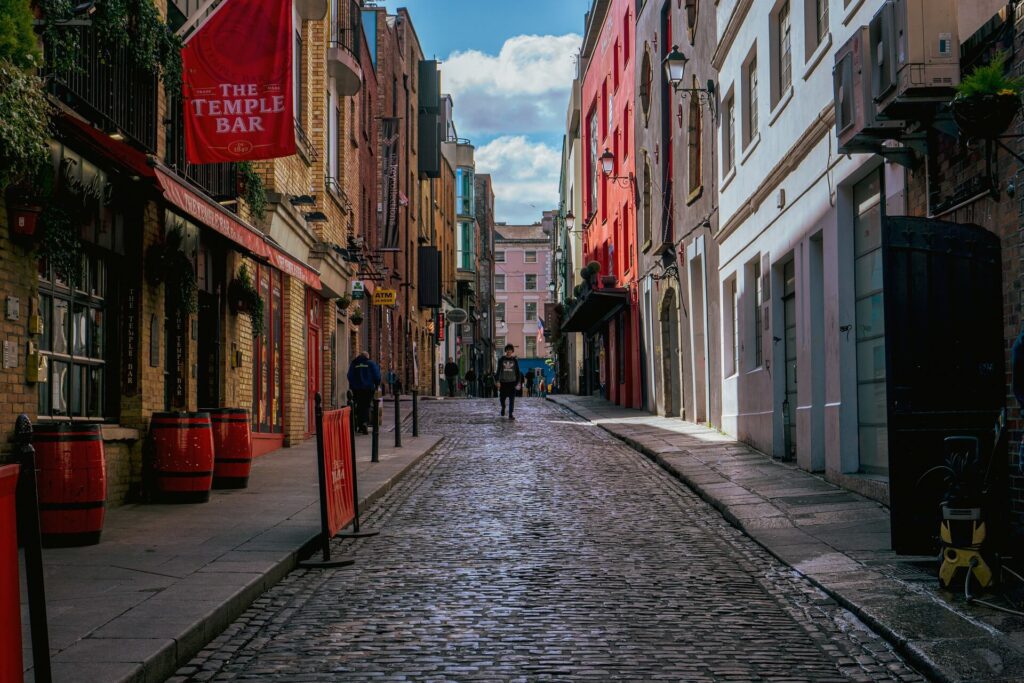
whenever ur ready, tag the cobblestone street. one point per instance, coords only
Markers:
(544, 549)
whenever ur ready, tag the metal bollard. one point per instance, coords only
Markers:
(29, 514)
(398, 421)
(415, 413)
(375, 435)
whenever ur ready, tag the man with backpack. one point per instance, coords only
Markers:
(363, 379)
(510, 378)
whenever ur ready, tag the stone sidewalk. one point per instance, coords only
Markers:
(836, 538)
(167, 579)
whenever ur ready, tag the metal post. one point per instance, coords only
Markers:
(325, 534)
(398, 421)
(355, 476)
(415, 413)
(29, 517)
(375, 435)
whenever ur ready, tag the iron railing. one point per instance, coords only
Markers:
(219, 181)
(105, 85)
(347, 30)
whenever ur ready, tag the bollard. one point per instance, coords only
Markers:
(375, 437)
(29, 516)
(415, 413)
(398, 421)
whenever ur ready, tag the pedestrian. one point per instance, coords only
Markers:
(529, 382)
(471, 382)
(486, 385)
(389, 380)
(510, 380)
(363, 379)
(451, 375)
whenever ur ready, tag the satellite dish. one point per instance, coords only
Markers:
(457, 315)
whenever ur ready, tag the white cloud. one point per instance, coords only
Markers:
(524, 88)
(524, 175)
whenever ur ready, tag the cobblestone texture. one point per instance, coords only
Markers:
(544, 549)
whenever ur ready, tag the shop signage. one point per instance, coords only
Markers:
(358, 291)
(180, 357)
(293, 268)
(130, 326)
(237, 84)
(385, 297)
(457, 315)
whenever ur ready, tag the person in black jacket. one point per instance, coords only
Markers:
(451, 375)
(363, 379)
(510, 379)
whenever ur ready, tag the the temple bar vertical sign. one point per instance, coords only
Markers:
(237, 83)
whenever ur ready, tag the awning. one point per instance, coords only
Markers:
(176, 190)
(94, 143)
(596, 307)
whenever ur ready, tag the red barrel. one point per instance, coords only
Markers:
(10, 587)
(182, 456)
(72, 483)
(232, 448)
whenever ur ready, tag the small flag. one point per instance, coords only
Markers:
(540, 330)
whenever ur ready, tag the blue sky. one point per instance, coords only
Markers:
(509, 66)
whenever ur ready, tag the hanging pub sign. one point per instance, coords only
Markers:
(237, 84)
(358, 290)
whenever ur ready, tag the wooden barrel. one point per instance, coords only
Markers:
(72, 483)
(232, 447)
(182, 456)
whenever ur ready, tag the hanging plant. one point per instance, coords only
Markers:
(344, 301)
(24, 123)
(253, 190)
(245, 298)
(167, 262)
(988, 99)
(133, 24)
(356, 317)
(61, 245)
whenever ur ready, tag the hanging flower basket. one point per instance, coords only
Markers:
(356, 319)
(985, 116)
(23, 210)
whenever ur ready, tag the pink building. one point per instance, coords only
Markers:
(522, 273)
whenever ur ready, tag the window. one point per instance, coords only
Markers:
(499, 257)
(647, 199)
(750, 106)
(733, 323)
(817, 24)
(758, 323)
(782, 54)
(499, 343)
(729, 134)
(531, 311)
(465, 204)
(646, 76)
(267, 361)
(529, 257)
(695, 133)
(691, 18)
(499, 308)
(609, 122)
(332, 137)
(531, 346)
(499, 282)
(466, 246)
(531, 281)
(592, 164)
(615, 65)
(625, 131)
(297, 88)
(74, 342)
(626, 45)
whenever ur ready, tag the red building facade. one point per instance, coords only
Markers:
(609, 199)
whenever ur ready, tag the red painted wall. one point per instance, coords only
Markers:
(610, 207)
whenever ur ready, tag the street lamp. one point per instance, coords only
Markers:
(608, 165)
(675, 73)
(559, 254)
(570, 221)
(551, 286)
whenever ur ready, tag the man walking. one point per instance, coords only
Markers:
(471, 382)
(363, 379)
(451, 375)
(510, 378)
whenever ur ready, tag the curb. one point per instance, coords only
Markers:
(164, 663)
(903, 645)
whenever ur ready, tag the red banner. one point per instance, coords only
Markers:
(237, 84)
(336, 479)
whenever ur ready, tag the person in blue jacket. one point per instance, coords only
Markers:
(363, 380)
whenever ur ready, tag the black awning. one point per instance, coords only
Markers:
(596, 307)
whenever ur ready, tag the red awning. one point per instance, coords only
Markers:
(94, 143)
(212, 214)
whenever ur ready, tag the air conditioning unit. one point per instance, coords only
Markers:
(915, 55)
(859, 128)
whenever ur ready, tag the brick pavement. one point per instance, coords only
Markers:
(546, 550)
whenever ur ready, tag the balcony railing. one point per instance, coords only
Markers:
(347, 31)
(106, 87)
(343, 51)
(219, 181)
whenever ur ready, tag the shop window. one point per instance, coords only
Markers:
(74, 342)
(268, 356)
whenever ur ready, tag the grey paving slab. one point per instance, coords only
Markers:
(167, 578)
(837, 538)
